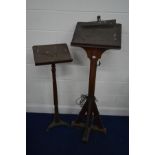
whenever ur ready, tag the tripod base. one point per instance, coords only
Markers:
(56, 123)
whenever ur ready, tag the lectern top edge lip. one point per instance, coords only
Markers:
(51, 54)
(109, 23)
(41, 45)
(95, 46)
(49, 62)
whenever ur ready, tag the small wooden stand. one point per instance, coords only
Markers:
(95, 38)
(52, 54)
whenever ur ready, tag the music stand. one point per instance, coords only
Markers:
(52, 54)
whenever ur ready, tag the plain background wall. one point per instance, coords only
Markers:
(54, 21)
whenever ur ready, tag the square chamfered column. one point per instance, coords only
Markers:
(51, 55)
(95, 38)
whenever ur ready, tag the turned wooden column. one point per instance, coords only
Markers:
(55, 94)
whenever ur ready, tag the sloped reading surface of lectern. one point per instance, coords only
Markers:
(100, 34)
(95, 38)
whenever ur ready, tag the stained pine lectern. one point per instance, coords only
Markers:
(52, 54)
(95, 38)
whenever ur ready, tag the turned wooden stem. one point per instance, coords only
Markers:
(53, 69)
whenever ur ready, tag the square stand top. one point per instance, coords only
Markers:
(51, 54)
(98, 34)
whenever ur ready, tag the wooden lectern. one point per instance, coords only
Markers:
(52, 54)
(95, 38)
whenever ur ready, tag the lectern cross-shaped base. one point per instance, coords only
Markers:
(52, 54)
(88, 117)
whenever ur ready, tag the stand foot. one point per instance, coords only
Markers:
(57, 122)
(87, 129)
(86, 134)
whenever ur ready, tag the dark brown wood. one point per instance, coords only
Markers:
(55, 94)
(57, 121)
(100, 34)
(93, 54)
(52, 54)
(95, 37)
(89, 109)
(49, 54)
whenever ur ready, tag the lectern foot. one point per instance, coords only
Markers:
(86, 134)
(87, 129)
(79, 124)
(57, 122)
(96, 128)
